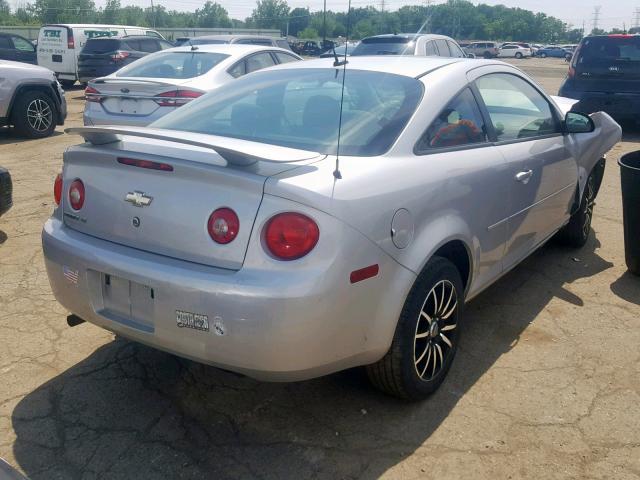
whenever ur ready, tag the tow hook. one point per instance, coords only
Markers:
(73, 320)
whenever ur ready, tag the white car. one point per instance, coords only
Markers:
(514, 51)
(157, 84)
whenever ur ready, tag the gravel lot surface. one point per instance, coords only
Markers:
(546, 383)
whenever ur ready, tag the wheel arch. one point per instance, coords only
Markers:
(42, 87)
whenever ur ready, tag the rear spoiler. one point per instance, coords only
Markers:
(233, 150)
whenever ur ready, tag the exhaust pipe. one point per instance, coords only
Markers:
(73, 320)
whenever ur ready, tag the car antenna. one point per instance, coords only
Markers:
(193, 47)
(336, 173)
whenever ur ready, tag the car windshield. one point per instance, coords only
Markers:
(300, 108)
(604, 50)
(179, 65)
(385, 46)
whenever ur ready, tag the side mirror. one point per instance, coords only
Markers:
(579, 123)
(471, 55)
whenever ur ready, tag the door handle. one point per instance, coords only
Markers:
(524, 177)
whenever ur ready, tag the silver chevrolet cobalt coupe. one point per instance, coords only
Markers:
(243, 231)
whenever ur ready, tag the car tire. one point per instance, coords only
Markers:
(487, 55)
(34, 114)
(576, 233)
(67, 83)
(518, 55)
(543, 55)
(421, 354)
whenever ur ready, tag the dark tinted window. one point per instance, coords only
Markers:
(172, 65)
(4, 42)
(443, 48)
(605, 50)
(101, 45)
(22, 44)
(385, 46)
(149, 45)
(299, 108)
(517, 110)
(460, 123)
(286, 58)
(131, 44)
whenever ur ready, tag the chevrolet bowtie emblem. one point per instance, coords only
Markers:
(138, 199)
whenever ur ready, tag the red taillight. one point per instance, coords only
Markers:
(223, 225)
(76, 194)
(572, 72)
(71, 44)
(92, 95)
(289, 236)
(165, 167)
(176, 98)
(57, 189)
(119, 56)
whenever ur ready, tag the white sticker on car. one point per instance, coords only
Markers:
(196, 321)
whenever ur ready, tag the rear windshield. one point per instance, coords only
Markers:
(299, 108)
(205, 41)
(101, 45)
(178, 65)
(386, 46)
(596, 51)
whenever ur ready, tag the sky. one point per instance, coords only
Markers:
(612, 13)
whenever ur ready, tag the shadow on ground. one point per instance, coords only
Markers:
(3, 237)
(129, 411)
(8, 136)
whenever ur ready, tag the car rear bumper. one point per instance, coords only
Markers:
(94, 115)
(272, 325)
(85, 74)
(621, 106)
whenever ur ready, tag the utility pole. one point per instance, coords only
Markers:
(636, 23)
(382, 6)
(153, 15)
(583, 25)
(596, 17)
(324, 24)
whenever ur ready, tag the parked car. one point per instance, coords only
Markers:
(230, 232)
(157, 84)
(59, 45)
(311, 48)
(604, 74)
(16, 48)
(409, 44)
(6, 191)
(514, 51)
(483, 49)
(553, 51)
(234, 39)
(340, 51)
(103, 56)
(31, 99)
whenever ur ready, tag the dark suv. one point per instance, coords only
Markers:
(17, 48)
(103, 56)
(605, 76)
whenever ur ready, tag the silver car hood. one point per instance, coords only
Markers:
(234, 151)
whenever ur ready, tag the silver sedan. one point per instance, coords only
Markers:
(284, 227)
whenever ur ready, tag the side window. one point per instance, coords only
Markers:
(259, 61)
(4, 42)
(164, 45)
(238, 69)
(285, 57)
(517, 110)
(132, 44)
(459, 124)
(455, 50)
(431, 49)
(21, 44)
(149, 45)
(443, 48)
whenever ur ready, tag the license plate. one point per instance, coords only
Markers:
(128, 105)
(195, 321)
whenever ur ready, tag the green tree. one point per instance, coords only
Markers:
(270, 14)
(308, 33)
(212, 15)
(298, 20)
(111, 12)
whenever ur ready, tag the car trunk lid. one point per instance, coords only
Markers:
(135, 96)
(166, 211)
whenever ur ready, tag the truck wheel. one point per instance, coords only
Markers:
(426, 337)
(33, 115)
(576, 233)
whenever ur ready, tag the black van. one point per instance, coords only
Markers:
(104, 55)
(605, 76)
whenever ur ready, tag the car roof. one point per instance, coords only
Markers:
(123, 37)
(410, 35)
(229, 48)
(409, 66)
